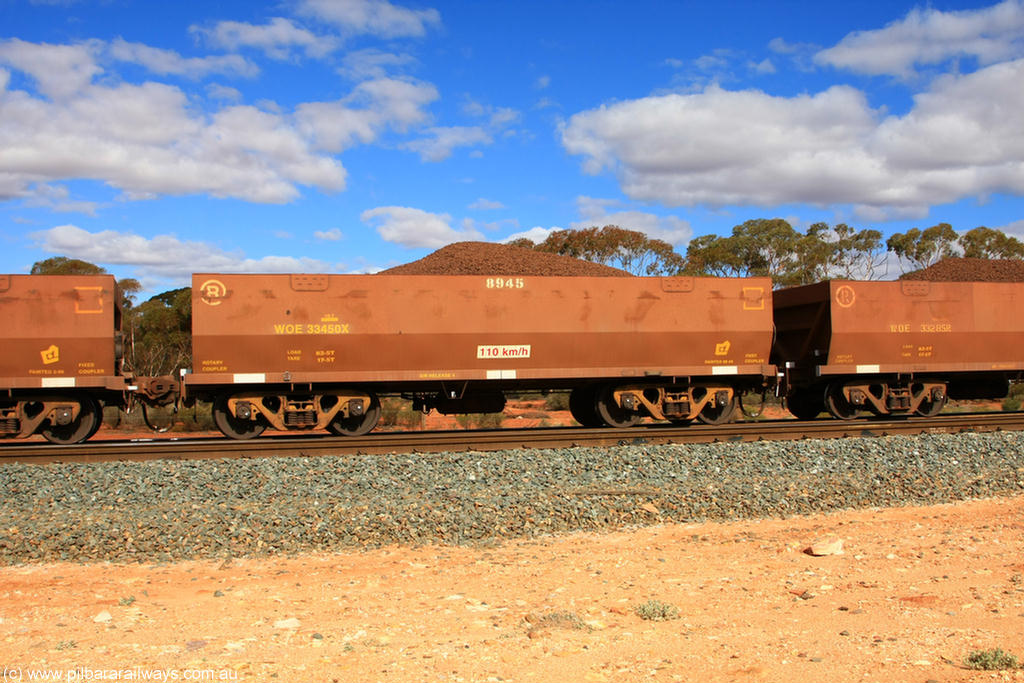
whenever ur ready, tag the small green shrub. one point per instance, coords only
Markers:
(656, 610)
(480, 420)
(1015, 398)
(397, 412)
(198, 418)
(557, 400)
(991, 660)
(557, 619)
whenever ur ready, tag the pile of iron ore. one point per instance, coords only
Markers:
(487, 258)
(971, 270)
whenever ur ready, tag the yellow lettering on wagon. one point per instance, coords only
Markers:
(312, 328)
(89, 368)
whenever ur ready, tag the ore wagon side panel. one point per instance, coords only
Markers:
(353, 328)
(58, 331)
(851, 327)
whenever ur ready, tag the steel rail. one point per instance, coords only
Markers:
(381, 443)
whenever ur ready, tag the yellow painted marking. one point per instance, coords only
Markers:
(753, 298)
(88, 299)
(722, 349)
(50, 355)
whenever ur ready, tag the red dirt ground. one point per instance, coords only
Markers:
(915, 591)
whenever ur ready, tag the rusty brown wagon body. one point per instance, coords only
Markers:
(313, 351)
(897, 347)
(61, 354)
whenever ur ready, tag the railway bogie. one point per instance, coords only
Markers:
(245, 414)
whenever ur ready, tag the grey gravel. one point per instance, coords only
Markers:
(166, 510)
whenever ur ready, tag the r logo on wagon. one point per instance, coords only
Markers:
(212, 292)
(845, 296)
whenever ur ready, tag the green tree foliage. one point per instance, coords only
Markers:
(611, 245)
(922, 248)
(844, 252)
(62, 265)
(160, 334)
(759, 247)
(773, 248)
(985, 242)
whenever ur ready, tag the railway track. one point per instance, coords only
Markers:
(502, 439)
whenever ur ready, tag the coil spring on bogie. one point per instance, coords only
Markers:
(10, 426)
(300, 418)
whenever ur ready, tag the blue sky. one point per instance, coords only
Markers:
(158, 139)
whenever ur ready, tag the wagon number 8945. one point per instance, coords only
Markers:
(505, 283)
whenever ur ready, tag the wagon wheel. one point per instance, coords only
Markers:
(612, 413)
(712, 414)
(930, 408)
(583, 407)
(356, 425)
(80, 429)
(837, 404)
(99, 421)
(805, 403)
(232, 426)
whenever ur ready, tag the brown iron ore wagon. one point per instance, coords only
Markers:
(61, 354)
(316, 351)
(897, 347)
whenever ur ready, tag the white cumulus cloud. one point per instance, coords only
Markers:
(417, 228)
(149, 139)
(535, 234)
(332, 235)
(720, 147)
(162, 257)
(486, 205)
(444, 139)
(165, 62)
(600, 212)
(277, 38)
(929, 36)
(372, 17)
